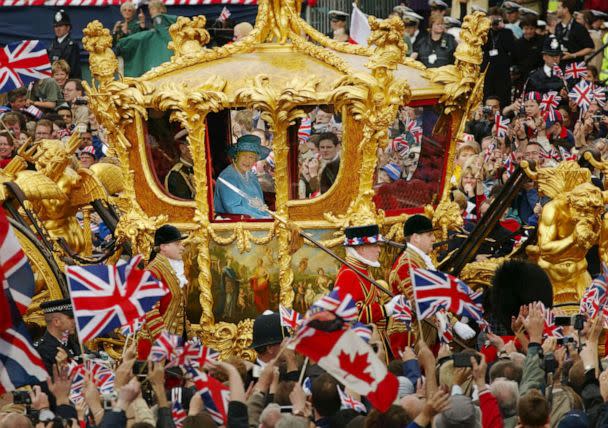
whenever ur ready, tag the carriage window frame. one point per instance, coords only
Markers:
(427, 102)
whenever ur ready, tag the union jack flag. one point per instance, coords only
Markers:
(215, 395)
(289, 317)
(345, 309)
(76, 372)
(599, 95)
(187, 355)
(177, 411)
(582, 95)
(487, 154)
(363, 331)
(549, 103)
(101, 375)
(165, 347)
(348, 402)
(434, 290)
(403, 310)
(224, 14)
(415, 129)
(15, 271)
(502, 125)
(20, 363)
(305, 130)
(108, 297)
(550, 328)
(575, 70)
(566, 155)
(399, 145)
(132, 327)
(21, 63)
(509, 164)
(594, 298)
(557, 71)
(207, 354)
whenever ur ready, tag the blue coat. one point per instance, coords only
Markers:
(226, 200)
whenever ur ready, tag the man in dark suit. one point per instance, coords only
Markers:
(63, 47)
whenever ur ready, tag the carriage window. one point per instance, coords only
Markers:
(410, 169)
(170, 156)
(319, 137)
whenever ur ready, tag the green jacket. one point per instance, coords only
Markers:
(604, 71)
(146, 49)
(132, 28)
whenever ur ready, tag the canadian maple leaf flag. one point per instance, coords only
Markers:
(359, 27)
(344, 355)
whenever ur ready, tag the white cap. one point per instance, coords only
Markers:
(526, 11)
(438, 3)
(541, 23)
(412, 16)
(476, 8)
(452, 22)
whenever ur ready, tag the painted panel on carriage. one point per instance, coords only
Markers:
(246, 284)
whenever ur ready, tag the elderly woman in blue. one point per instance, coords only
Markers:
(245, 153)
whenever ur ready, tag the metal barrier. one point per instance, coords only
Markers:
(319, 14)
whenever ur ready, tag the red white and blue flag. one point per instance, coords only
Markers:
(344, 308)
(348, 402)
(509, 164)
(15, 271)
(133, 327)
(289, 317)
(594, 298)
(177, 411)
(557, 71)
(305, 130)
(400, 146)
(575, 70)
(21, 63)
(403, 310)
(108, 297)
(582, 95)
(549, 103)
(501, 124)
(20, 363)
(415, 129)
(434, 290)
(224, 14)
(550, 328)
(215, 395)
(165, 347)
(363, 331)
(187, 355)
(599, 95)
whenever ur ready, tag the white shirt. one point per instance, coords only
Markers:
(548, 71)
(61, 39)
(427, 260)
(178, 267)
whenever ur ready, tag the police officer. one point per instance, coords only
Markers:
(63, 47)
(545, 78)
(58, 341)
(180, 180)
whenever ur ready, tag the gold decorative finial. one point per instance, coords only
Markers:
(102, 61)
(189, 35)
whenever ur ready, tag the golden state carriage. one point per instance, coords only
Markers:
(281, 72)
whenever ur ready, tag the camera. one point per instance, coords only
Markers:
(80, 101)
(565, 340)
(108, 400)
(463, 359)
(486, 110)
(496, 22)
(22, 397)
(550, 363)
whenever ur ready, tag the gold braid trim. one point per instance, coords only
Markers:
(161, 268)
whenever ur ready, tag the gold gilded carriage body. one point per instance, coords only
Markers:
(281, 69)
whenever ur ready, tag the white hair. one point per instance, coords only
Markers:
(270, 416)
(507, 395)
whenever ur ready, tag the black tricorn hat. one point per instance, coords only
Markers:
(167, 234)
(61, 18)
(552, 46)
(267, 330)
(417, 223)
(362, 235)
(63, 306)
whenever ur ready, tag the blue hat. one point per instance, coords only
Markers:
(249, 143)
(574, 419)
(393, 170)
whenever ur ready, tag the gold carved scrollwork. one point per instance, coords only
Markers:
(280, 109)
(229, 339)
(373, 100)
(243, 237)
(116, 104)
(189, 107)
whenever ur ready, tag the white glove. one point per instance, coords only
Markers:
(464, 331)
(442, 322)
(390, 306)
